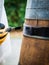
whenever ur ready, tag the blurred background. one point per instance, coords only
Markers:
(15, 10)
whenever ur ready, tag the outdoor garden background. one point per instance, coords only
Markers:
(15, 10)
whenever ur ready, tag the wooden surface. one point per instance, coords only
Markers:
(41, 23)
(35, 51)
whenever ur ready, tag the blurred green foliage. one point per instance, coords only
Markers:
(15, 10)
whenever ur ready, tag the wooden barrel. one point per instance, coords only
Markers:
(34, 50)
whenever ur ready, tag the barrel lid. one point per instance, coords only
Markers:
(37, 9)
(42, 14)
(37, 3)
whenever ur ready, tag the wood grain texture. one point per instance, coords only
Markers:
(40, 23)
(35, 51)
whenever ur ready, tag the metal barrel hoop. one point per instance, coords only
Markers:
(36, 32)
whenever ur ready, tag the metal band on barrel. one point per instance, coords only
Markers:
(36, 32)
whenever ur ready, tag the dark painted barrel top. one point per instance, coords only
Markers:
(37, 9)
